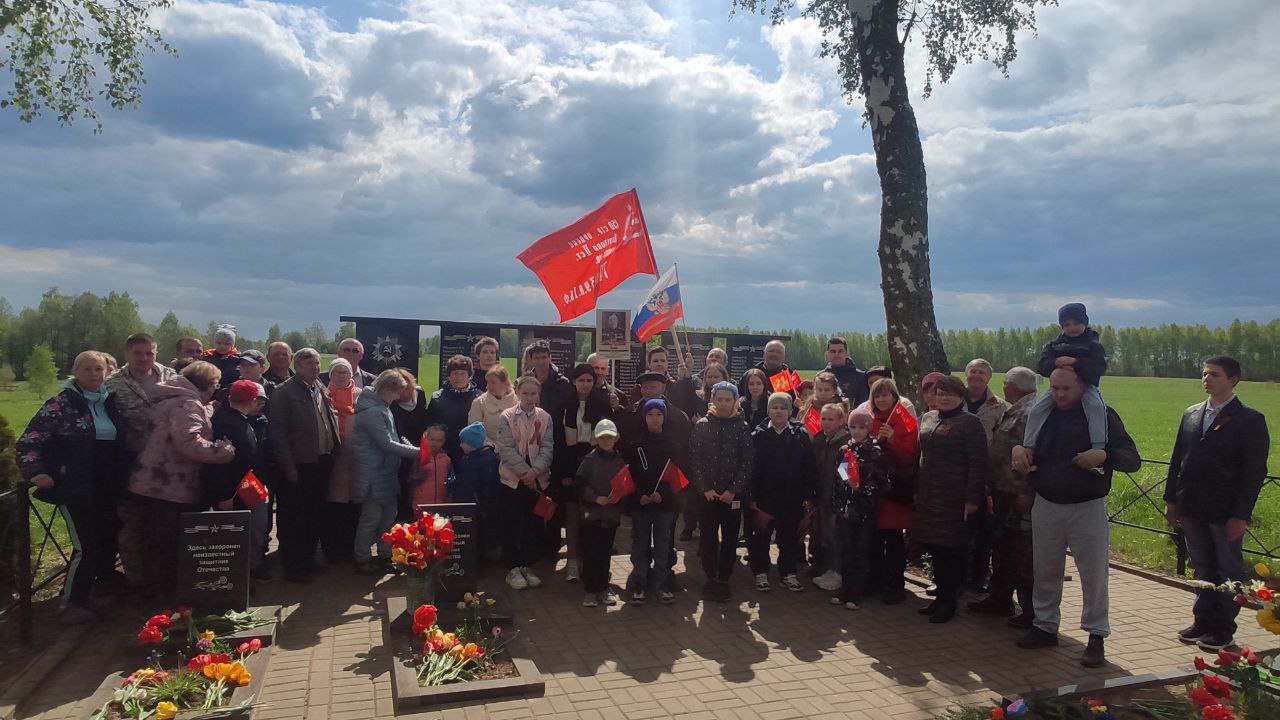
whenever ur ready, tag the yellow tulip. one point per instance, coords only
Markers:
(462, 606)
(207, 635)
(468, 597)
(1262, 569)
(166, 710)
(489, 601)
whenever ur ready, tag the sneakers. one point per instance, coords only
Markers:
(762, 582)
(666, 597)
(1191, 635)
(835, 600)
(1037, 638)
(852, 605)
(515, 579)
(1094, 656)
(529, 578)
(1214, 641)
(637, 597)
(571, 570)
(792, 583)
(609, 598)
(829, 581)
(590, 601)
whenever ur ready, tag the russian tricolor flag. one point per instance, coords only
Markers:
(660, 308)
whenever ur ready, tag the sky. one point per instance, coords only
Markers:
(298, 162)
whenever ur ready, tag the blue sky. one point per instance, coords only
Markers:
(298, 162)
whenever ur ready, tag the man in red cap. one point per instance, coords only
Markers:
(241, 422)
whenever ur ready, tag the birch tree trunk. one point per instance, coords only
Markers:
(915, 348)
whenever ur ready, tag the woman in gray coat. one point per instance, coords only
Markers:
(949, 488)
(376, 485)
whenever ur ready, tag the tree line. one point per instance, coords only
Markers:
(67, 324)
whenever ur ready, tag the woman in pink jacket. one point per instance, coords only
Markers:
(165, 479)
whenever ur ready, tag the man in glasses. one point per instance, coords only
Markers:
(352, 350)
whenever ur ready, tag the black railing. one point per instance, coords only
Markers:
(1140, 505)
(36, 566)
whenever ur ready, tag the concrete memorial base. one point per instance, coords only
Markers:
(256, 664)
(407, 694)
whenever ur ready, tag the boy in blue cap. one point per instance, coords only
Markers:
(475, 478)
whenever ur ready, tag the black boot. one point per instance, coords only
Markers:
(1094, 655)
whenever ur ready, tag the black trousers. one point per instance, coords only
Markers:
(786, 526)
(718, 539)
(519, 530)
(301, 513)
(948, 571)
(596, 548)
(91, 557)
(888, 566)
(338, 535)
(979, 561)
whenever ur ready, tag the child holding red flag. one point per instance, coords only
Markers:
(828, 451)
(782, 488)
(722, 453)
(896, 428)
(862, 475)
(652, 506)
(600, 513)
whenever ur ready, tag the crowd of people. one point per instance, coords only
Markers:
(843, 474)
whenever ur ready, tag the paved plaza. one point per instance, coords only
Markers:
(769, 655)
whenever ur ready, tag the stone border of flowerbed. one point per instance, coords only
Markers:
(406, 693)
(256, 664)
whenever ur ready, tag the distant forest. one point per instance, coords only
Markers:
(69, 324)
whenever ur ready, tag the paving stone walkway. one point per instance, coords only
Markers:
(768, 655)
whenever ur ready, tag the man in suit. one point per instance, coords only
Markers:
(1218, 466)
(304, 439)
(352, 350)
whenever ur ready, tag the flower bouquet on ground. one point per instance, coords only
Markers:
(418, 549)
(200, 687)
(470, 652)
(182, 631)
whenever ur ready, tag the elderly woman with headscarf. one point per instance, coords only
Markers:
(71, 451)
(340, 528)
(166, 480)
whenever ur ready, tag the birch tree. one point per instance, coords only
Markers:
(868, 39)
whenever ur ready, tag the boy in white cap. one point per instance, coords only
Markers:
(600, 514)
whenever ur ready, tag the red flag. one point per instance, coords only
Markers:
(545, 507)
(908, 420)
(672, 476)
(848, 469)
(578, 263)
(813, 421)
(795, 381)
(622, 484)
(424, 452)
(251, 490)
(781, 382)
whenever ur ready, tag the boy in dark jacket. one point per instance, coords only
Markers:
(722, 451)
(652, 505)
(240, 422)
(861, 478)
(782, 488)
(828, 451)
(1077, 347)
(600, 514)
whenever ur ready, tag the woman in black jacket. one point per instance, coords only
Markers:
(754, 405)
(949, 488)
(71, 452)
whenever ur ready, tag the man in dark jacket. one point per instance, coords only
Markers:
(1218, 467)
(773, 362)
(450, 405)
(557, 391)
(853, 382)
(279, 355)
(783, 478)
(721, 453)
(1070, 512)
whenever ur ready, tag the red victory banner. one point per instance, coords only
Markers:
(813, 421)
(674, 477)
(251, 490)
(622, 485)
(781, 382)
(578, 263)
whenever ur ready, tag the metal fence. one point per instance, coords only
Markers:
(1134, 504)
(38, 553)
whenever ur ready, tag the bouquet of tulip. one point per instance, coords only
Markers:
(204, 683)
(165, 627)
(418, 549)
(450, 657)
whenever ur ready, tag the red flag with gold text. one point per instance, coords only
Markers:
(578, 263)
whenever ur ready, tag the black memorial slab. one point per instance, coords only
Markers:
(459, 572)
(213, 561)
(388, 344)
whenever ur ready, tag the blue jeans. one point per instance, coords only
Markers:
(376, 517)
(1215, 560)
(856, 557)
(651, 533)
(1095, 413)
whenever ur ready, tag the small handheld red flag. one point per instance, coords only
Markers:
(251, 490)
(672, 476)
(424, 451)
(813, 421)
(848, 469)
(545, 507)
(908, 420)
(781, 381)
(622, 484)
(795, 381)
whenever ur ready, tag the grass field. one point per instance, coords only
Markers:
(1150, 407)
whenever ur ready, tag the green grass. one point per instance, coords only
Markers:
(1150, 407)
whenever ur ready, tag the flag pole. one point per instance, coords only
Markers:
(675, 334)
